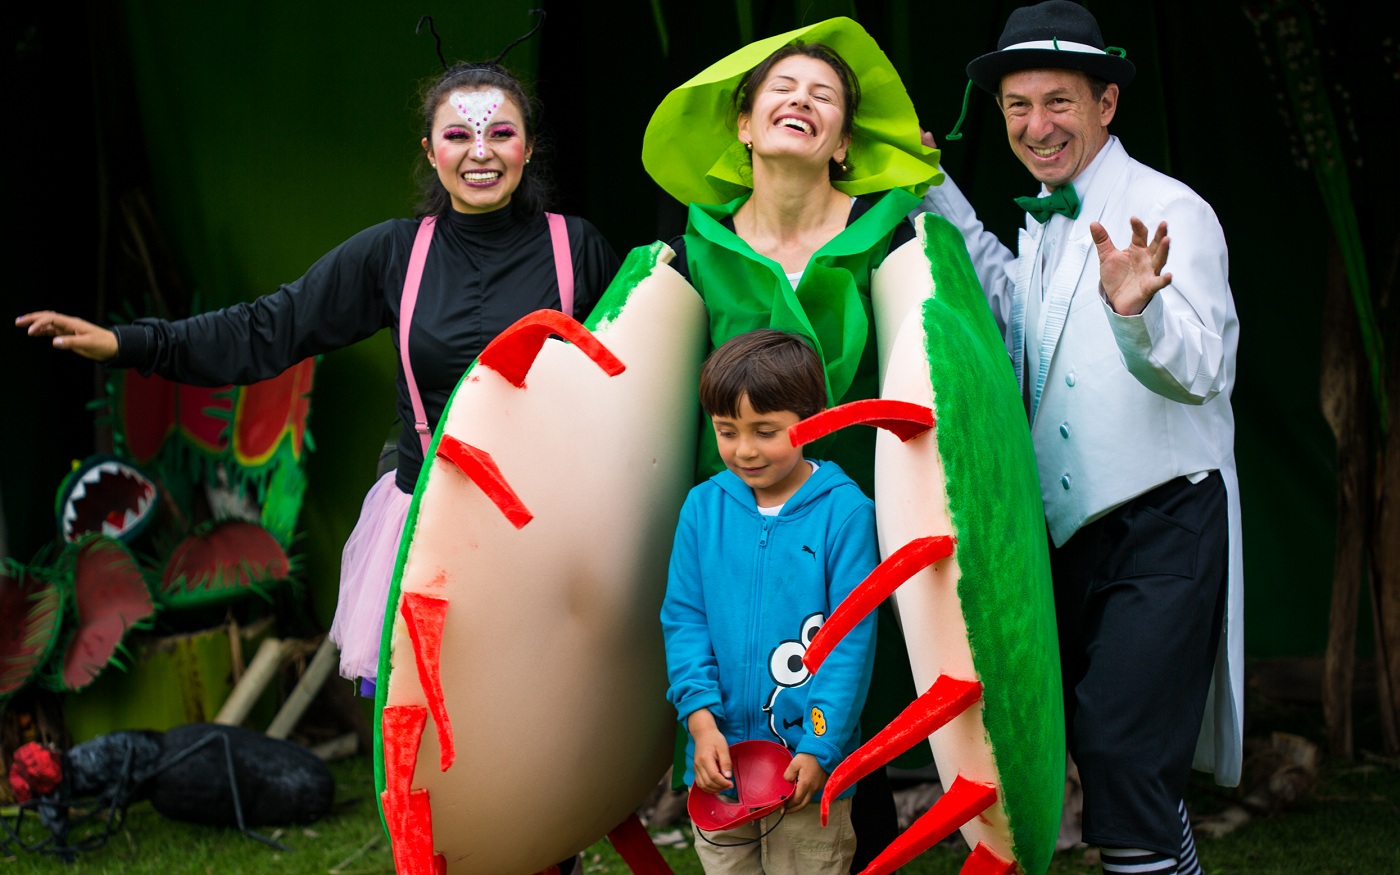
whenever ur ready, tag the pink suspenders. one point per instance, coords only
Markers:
(563, 270)
(411, 281)
(563, 262)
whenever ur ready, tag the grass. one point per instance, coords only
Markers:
(1350, 824)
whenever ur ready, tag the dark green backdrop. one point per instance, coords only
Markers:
(265, 133)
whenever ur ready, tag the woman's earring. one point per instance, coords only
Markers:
(843, 166)
(527, 160)
(749, 146)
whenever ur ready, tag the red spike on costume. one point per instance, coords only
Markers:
(963, 801)
(425, 615)
(635, 847)
(901, 565)
(481, 469)
(985, 861)
(513, 351)
(402, 731)
(406, 811)
(904, 419)
(944, 700)
(411, 830)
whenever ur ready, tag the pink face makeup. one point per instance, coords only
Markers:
(477, 108)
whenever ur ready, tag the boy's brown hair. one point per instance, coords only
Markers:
(777, 370)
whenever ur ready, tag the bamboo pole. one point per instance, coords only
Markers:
(259, 674)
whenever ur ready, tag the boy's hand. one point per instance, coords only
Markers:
(809, 777)
(713, 770)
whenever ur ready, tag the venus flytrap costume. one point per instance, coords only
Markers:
(930, 340)
(521, 640)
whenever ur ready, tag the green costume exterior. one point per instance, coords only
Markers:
(994, 503)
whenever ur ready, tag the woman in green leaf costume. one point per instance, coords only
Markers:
(799, 157)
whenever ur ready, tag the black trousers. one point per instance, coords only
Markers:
(1139, 601)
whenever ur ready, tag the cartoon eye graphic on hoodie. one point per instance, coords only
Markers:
(785, 662)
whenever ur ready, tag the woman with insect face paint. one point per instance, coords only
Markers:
(481, 253)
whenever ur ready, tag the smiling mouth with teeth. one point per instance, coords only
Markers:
(481, 175)
(1048, 152)
(797, 125)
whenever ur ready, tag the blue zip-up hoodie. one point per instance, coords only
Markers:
(744, 597)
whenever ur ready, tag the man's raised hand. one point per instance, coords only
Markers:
(1128, 278)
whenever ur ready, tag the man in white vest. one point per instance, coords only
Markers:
(1126, 359)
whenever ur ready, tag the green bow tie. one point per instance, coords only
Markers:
(1061, 200)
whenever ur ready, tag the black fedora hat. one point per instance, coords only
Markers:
(1056, 34)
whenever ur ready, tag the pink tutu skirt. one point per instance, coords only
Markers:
(366, 570)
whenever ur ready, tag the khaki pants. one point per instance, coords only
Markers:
(799, 845)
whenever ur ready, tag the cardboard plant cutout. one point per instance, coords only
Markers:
(33, 610)
(105, 495)
(109, 598)
(183, 454)
(221, 562)
(248, 441)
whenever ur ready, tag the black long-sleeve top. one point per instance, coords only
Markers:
(482, 273)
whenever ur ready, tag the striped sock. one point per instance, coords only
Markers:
(1190, 865)
(1136, 861)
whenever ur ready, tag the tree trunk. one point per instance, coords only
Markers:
(1345, 406)
(1385, 542)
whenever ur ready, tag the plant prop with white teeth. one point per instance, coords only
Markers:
(207, 482)
(107, 496)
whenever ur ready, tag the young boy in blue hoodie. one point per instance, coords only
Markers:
(764, 551)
